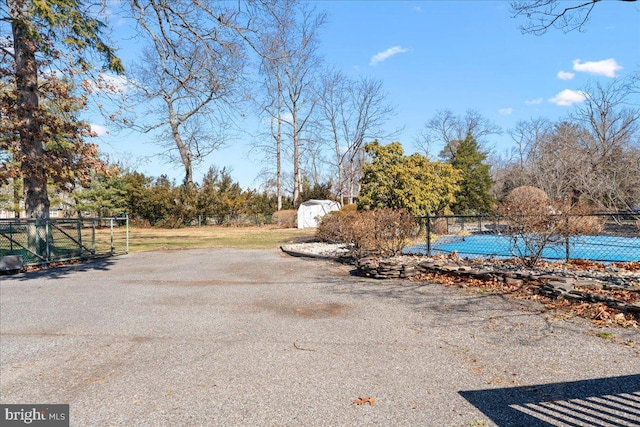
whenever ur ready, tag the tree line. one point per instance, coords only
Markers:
(205, 64)
(160, 202)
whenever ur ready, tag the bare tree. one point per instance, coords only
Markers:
(591, 157)
(612, 121)
(449, 129)
(300, 94)
(313, 156)
(541, 15)
(290, 61)
(527, 135)
(559, 160)
(271, 100)
(354, 112)
(189, 76)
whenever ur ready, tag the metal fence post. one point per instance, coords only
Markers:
(93, 235)
(428, 235)
(111, 223)
(79, 230)
(46, 240)
(567, 250)
(127, 231)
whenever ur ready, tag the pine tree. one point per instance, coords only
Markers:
(44, 36)
(473, 195)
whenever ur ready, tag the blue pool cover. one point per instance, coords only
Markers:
(595, 248)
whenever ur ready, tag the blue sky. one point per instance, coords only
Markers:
(434, 55)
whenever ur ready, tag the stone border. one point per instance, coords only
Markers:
(334, 254)
(299, 254)
(551, 285)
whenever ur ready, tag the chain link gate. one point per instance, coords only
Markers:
(42, 241)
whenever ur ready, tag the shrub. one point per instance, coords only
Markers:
(440, 226)
(337, 226)
(392, 230)
(526, 201)
(531, 223)
(286, 218)
(535, 222)
(349, 208)
(383, 232)
(581, 221)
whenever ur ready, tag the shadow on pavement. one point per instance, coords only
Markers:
(611, 401)
(448, 306)
(58, 272)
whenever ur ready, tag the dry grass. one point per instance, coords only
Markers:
(150, 239)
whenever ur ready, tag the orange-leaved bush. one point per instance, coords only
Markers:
(381, 232)
(287, 218)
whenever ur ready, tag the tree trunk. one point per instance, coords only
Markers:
(279, 168)
(185, 155)
(16, 198)
(31, 137)
(279, 149)
(339, 168)
(352, 196)
(296, 161)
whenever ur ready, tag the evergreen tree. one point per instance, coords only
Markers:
(317, 191)
(106, 195)
(220, 195)
(473, 195)
(396, 181)
(44, 36)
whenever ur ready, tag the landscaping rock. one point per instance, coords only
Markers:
(514, 282)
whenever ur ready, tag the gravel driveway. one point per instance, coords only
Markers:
(258, 338)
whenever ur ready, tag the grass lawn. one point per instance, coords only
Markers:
(150, 239)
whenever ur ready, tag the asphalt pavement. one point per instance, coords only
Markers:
(225, 337)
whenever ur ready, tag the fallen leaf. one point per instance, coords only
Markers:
(362, 400)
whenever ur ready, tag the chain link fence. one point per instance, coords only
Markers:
(37, 241)
(603, 237)
(242, 220)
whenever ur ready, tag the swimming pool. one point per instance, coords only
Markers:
(595, 248)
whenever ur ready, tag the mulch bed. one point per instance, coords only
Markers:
(599, 313)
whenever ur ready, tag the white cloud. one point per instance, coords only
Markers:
(505, 111)
(568, 97)
(286, 118)
(52, 73)
(111, 83)
(417, 9)
(116, 82)
(99, 130)
(386, 54)
(535, 101)
(566, 75)
(606, 67)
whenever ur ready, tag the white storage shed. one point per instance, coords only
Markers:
(310, 212)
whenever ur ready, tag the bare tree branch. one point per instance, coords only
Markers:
(354, 112)
(190, 78)
(448, 129)
(541, 15)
